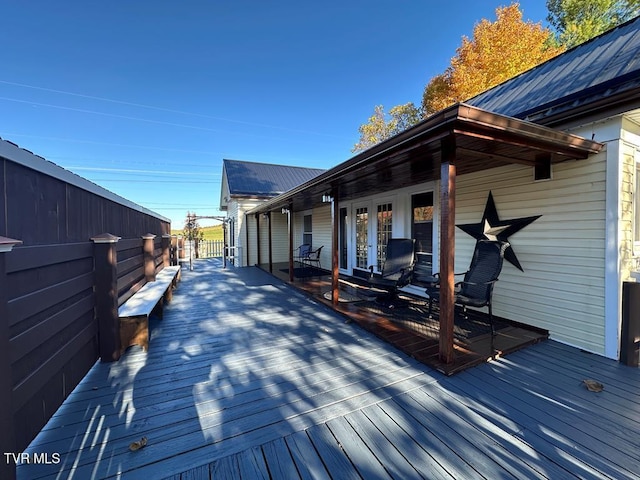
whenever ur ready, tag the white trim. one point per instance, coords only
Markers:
(23, 157)
(612, 280)
(636, 202)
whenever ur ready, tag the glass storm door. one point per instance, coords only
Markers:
(422, 231)
(384, 226)
(362, 237)
(343, 241)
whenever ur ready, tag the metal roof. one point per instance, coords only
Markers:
(599, 70)
(255, 179)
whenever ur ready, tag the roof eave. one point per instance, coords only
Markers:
(456, 120)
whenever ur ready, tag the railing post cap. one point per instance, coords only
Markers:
(7, 244)
(105, 238)
(166, 235)
(148, 236)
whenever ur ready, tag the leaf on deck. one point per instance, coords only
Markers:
(593, 386)
(135, 446)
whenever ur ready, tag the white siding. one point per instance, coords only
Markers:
(322, 232)
(250, 251)
(236, 210)
(562, 253)
(280, 237)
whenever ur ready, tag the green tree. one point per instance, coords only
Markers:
(497, 52)
(382, 126)
(577, 21)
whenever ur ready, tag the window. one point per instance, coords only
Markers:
(422, 230)
(307, 230)
(636, 210)
(343, 238)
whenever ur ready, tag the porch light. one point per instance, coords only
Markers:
(285, 210)
(326, 198)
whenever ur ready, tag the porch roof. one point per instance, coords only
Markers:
(476, 138)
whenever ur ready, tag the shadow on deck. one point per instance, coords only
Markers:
(409, 327)
(246, 377)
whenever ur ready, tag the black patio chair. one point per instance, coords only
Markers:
(476, 289)
(302, 253)
(397, 270)
(313, 258)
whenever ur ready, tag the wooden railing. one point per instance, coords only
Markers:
(210, 248)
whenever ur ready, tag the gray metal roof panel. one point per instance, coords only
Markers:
(263, 179)
(607, 58)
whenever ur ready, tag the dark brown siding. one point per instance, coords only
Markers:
(39, 210)
(52, 331)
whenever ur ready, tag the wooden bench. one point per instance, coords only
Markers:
(134, 313)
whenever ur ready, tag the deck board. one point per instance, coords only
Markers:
(308, 462)
(248, 378)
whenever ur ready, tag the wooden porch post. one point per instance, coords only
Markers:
(149, 262)
(7, 438)
(166, 244)
(290, 228)
(335, 272)
(174, 250)
(224, 245)
(270, 243)
(447, 249)
(105, 258)
(259, 261)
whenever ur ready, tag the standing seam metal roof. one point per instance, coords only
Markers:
(263, 179)
(590, 71)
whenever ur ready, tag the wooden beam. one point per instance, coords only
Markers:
(335, 266)
(447, 250)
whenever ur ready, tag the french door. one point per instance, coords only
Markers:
(372, 226)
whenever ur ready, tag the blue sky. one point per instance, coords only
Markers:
(146, 98)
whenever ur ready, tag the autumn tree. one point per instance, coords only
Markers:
(497, 52)
(577, 21)
(382, 126)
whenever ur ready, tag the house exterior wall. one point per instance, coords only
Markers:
(630, 154)
(322, 233)
(279, 238)
(321, 229)
(236, 209)
(562, 252)
(250, 254)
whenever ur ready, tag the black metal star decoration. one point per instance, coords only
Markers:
(492, 228)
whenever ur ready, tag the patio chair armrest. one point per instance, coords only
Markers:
(477, 283)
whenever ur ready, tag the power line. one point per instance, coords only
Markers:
(111, 144)
(169, 110)
(136, 171)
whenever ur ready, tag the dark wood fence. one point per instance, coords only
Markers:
(49, 332)
(40, 209)
(52, 333)
(52, 329)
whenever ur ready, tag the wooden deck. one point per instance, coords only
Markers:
(247, 378)
(413, 336)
